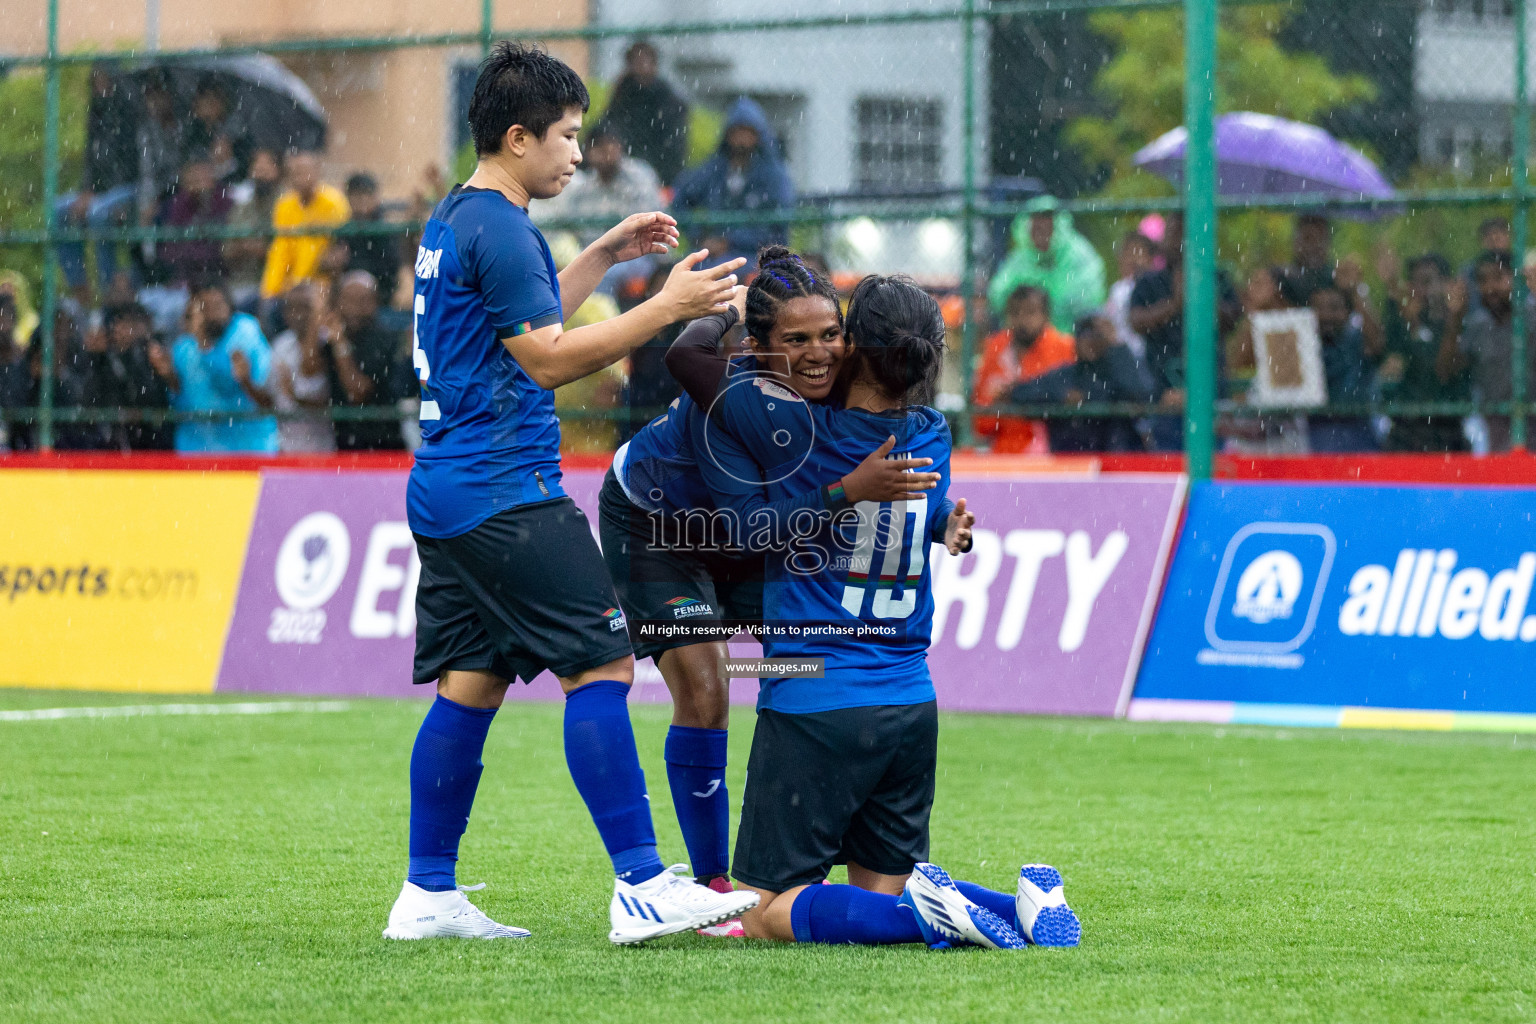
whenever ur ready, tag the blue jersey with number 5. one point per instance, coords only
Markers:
(865, 568)
(490, 437)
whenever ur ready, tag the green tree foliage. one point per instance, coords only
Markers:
(22, 108)
(1142, 91)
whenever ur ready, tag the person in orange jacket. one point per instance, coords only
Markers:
(1025, 348)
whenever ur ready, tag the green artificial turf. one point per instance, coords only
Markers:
(240, 869)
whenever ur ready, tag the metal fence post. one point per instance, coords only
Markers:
(968, 213)
(1520, 139)
(50, 226)
(487, 27)
(1200, 18)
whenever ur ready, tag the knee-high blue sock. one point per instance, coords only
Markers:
(600, 752)
(445, 770)
(696, 775)
(846, 914)
(1000, 904)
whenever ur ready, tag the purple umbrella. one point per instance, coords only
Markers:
(1257, 154)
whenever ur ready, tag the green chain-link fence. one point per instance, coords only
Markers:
(917, 136)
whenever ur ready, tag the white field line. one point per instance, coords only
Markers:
(142, 710)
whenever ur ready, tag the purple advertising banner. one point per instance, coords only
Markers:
(1047, 614)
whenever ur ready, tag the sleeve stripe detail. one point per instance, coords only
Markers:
(529, 326)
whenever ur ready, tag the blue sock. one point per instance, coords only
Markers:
(846, 914)
(445, 770)
(696, 774)
(600, 752)
(1000, 904)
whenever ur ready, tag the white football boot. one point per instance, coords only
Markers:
(668, 904)
(1041, 905)
(419, 914)
(946, 918)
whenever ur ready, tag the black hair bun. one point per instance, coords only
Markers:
(774, 254)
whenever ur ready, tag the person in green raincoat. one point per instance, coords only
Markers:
(1049, 253)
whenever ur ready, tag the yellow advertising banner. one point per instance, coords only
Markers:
(117, 580)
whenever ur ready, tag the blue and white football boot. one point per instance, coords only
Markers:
(1041, 905)
(946, 918)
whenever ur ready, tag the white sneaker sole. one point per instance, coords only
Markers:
(406, 935)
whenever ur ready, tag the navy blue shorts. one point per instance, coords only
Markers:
(853, 785)
(524, 591)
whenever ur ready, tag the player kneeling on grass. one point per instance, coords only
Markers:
(670, 551)
(512, 582)
(842, 767)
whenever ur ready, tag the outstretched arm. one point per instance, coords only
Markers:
(640, 234)
(553, 356)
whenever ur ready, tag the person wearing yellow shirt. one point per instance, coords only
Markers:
(307, 203)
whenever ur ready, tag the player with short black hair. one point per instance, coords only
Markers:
(512, 582)
(842, 767)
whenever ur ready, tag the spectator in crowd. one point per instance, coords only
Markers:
(301, 372)
(160, 147)
(1133, 257)
(1493, 235)
(109, 184)
(1157, 314)
(1349, 372)
(215, 133)
(1483, 343)
(70, 368)
(199, 201)
(649, 115)
(379, 255)
(609, 186)
(254, 201)
(16, 378)
(1105, 371)
(1413, 319)
(744, 175)
(308, 203)
(1268, 433)
(119, 375)
(220, 365)
(1027, 346)
(1313, 266)
(369, 364)
(1049, 253)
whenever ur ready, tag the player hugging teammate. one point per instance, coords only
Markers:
(842, 767)
(792, 446)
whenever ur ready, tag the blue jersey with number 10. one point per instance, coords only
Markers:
(865, 568)
(490, 437)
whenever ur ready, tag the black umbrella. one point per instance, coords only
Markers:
(277, 110)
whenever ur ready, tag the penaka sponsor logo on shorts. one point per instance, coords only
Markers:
(25, 581)
(689, 607)
(312, 564)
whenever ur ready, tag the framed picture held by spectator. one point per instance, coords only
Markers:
(1288, 358)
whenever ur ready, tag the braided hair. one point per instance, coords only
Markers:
(782, 276)
(897, 331)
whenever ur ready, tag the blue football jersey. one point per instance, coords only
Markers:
(490, 436)
(829, 574)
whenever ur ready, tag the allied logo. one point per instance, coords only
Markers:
(1268, 593)
(1267, 590)
(311, 563)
